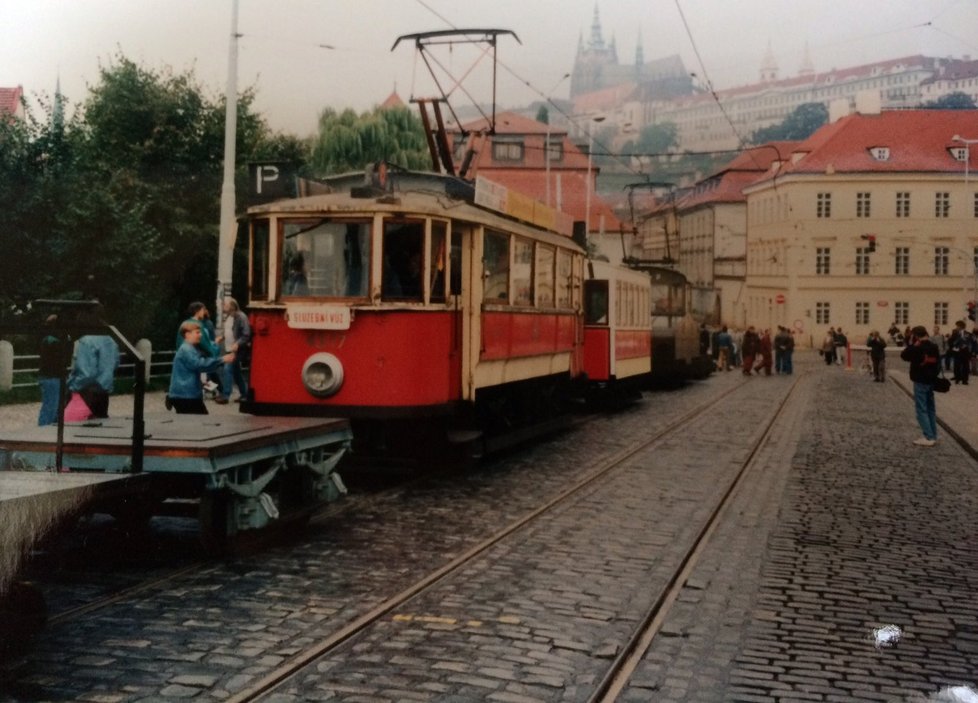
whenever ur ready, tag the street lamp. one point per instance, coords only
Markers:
(587, 191)
(546, 145)
(967, 153)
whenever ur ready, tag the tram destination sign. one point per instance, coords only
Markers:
(318, 317)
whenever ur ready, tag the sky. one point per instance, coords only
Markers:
(302, 56)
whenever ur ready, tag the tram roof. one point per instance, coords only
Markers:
(406, 193)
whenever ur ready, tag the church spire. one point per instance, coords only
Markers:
(597, 41)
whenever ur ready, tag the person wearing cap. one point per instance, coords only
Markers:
(924, 358)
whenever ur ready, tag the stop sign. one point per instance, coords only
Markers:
(779, 298)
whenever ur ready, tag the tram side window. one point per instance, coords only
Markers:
(563, 287)
(439, 260)
(495, 259)
(326, 259)
(523, 272)
(259, 260)
(545, 275)
(403, 262)
(456, 264)
(596, 302)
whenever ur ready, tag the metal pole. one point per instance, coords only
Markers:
(228, 225)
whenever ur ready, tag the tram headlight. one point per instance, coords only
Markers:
(322, 375)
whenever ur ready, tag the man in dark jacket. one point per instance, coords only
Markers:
(924, 358)
(751, 346)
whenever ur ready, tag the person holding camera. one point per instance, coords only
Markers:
(924, 358)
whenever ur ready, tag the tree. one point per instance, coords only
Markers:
(543, 115)
(800, 124)
(655, 139)
(121, 202)
(348, 142)
(952, 101)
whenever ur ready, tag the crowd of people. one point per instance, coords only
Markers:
(205, 360)
(750, 350)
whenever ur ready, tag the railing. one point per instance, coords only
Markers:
(23, 373)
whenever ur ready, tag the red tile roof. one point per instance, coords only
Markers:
(529, 176)
(10, 100)
(917, 140)
(393, 100)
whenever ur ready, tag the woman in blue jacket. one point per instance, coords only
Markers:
(186, 390)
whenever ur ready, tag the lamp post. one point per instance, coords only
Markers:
(967, 153)
(587, 191)
(227, 229)
(546, 145)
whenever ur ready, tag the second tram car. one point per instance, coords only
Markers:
(406, 299)
(617, 332)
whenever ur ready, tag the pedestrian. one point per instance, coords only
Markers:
(961, 344)
(237, 339)
(751, 347)
(738, 345)
(724, 344)
(198, 312)
(877, 355)
(841, 346)
(51, 369)
(828, 347)
(787, 354)
(940, 340)
(779, 343)
(896, 336)
(704, 340)
(186, 394)
(764, 348)
(924, 367)
(93, 370)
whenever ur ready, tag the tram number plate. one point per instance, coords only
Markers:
(318, 317)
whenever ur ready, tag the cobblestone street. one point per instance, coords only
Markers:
(841, 527)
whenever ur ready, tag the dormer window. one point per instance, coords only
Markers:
(880, 153)
(959, 153)
(504, 149)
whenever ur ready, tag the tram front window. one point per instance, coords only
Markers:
(328, 258)
(403, 263)
(596, 302)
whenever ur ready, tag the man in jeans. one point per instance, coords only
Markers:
(924, 358)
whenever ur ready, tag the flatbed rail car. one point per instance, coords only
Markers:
(246, 472)
(424, 309)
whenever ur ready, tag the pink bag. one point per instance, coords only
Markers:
(76, 410)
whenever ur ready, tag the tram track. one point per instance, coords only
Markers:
(607, 467)
(634, 649)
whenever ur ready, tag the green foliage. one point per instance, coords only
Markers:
(348, 142)
(543, 115)
(654, 139)
(801, 123)
(121, 201)
(952, 101)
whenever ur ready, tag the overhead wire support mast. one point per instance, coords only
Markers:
(438, 146)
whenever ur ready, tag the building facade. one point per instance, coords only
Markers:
(872, 221)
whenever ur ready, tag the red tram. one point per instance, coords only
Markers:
(617, 330)
(419, 298)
